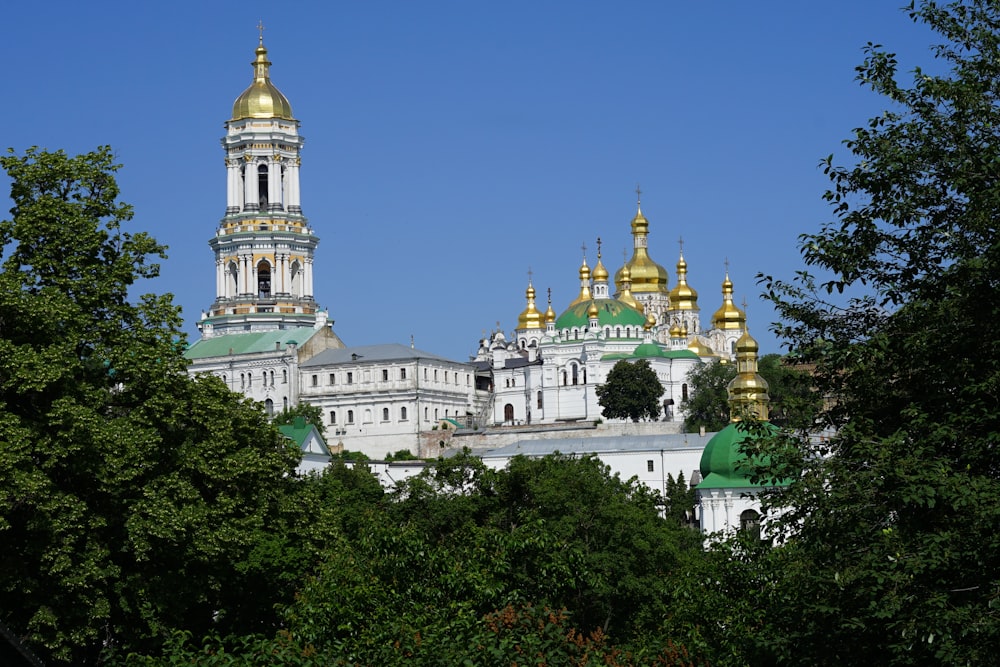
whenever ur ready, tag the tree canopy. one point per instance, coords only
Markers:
(891, 546)
(631, 391)
(130, 491)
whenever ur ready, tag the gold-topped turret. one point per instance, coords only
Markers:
(728, 316)
(647, 275)
(584, 281)
(530, 318)
(550, 315)
(625, 295)
(262, 99)
(683, 296)
(748, 390)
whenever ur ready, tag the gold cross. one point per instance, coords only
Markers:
(260, 29)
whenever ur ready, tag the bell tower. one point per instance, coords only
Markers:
(264, 247)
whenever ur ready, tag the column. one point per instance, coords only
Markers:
(250, 195)
(275, 197)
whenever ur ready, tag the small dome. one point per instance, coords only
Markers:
(683, 296)
(584, 284)
(530, 318)
(600, 273)
(262, 99)
(675, 330)
(593, 311)
(728, 316)
(700, 348)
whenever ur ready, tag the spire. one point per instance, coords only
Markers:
(584, 280)
(647, 275)
(529, 318)
(748, 390)
(683, 296)
(728, 316)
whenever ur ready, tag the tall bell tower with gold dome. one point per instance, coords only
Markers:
(264, 247)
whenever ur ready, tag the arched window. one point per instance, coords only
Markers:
(564, 378)
(426, 414)
(618, 332)
(350, 416)
(295, 274)
(285, 401)
(385, 414)
(233, 278)
(574, 372)
(243, 381)
(264, 280)
(284, 376)
(402, 414)
(508, 413)
(262, 186)
(272, 378)
(269, 407)
(684, 392)
(333, 416)
(750, 523)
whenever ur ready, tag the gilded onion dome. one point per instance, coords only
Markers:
(625, 291)
(675, 330)
(262, 99)
(530, 318)
(593, 311)
(748, 390)
(550, 315)
(600, 273)
(700, 348)
(728, 316)
(683, 296)
(647, 275)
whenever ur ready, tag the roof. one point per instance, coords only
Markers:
(373, 353)
(610, 312)
(249, 343)
(601, 445)
(723, 463)
(299, 431)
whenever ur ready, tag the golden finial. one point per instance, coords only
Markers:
(583, 247)
(260, 29)
(529, 275)
(726, 262)
(680, 242)
(638, 195)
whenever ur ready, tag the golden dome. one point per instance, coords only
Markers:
(530, 318)
(625, 292)
(647, 275)
(748, 390)
(675, 330)
(550, 315)
(593, 311)
(728, 316)
(700, 348)
(682, 296)
(600, 273)
(261, 99)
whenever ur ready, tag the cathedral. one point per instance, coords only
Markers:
(550, 368)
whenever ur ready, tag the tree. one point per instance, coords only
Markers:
(794, 401)
(130, 490)
(631, 391)
(707, 405)
(892, 524)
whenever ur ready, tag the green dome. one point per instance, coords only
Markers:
(722, 462)
(610, 312)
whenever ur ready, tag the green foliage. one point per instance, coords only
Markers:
(311, 413)
(631, 391)
(794, 400)
(401, 455)
(708, 397)
(130, 491)
(891, 526)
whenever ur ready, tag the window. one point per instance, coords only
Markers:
(385, 412)
(649, 465)
(468, 380)
(508, 413)
(272, 378)
(564, 378)
(284, 376)
(285, 401)
(750, 523)
(264, 280)
(385, 375)
(315, 380)
(350, 377)
(402, 373)
(402, 414)
(435, 413)
(684, 392)
(435, 375)
(333, 378)
(573, 370)
(368, 416)
(350, 416)
(585, 375)
(269, 407)
(262, 187)
(425, 373)
(426, 414)
(333, 416)
(539, 401)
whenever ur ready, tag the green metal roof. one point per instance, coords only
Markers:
(299, 431)
(651, 350)
(610, 312)
(723, 465)
(248, 343)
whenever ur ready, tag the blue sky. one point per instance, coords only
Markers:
(450, 146)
